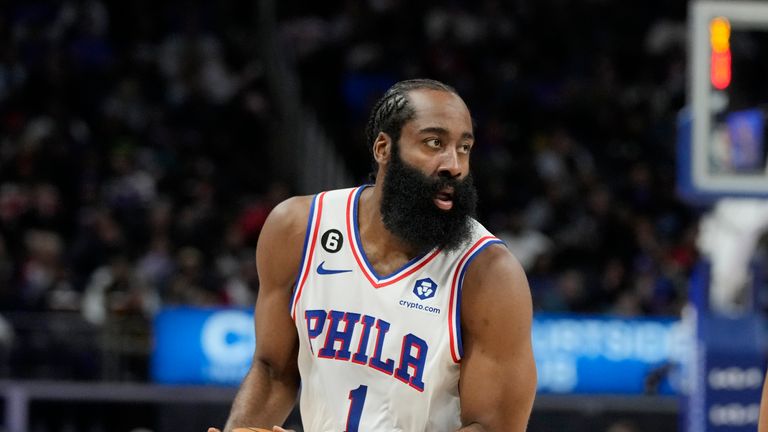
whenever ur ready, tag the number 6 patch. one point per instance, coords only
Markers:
(332, 240)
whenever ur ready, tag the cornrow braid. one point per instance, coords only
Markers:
(393, 110)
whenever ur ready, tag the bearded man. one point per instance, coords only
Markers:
(388, 307)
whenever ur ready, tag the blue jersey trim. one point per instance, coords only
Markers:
(459, 345)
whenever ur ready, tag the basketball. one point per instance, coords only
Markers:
(251, 429)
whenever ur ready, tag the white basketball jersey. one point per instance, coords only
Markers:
(377, 352)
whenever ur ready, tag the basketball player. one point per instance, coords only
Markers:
(388, 304)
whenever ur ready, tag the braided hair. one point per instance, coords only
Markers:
(393, 110)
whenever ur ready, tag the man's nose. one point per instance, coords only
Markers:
(449, 164)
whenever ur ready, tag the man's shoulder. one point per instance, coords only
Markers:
(478, 227)
(343, 193)
(493, 271)
(293, 207)
(294, 211)
(486, 250)
(479, 235)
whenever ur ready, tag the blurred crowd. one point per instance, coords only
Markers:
(134, 168)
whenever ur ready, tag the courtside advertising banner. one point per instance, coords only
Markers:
(574, 353)
(605, 355)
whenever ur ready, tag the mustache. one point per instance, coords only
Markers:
(444, 181)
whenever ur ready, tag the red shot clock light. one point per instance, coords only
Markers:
(720, 41)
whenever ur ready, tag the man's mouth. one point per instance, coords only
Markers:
(444, 199)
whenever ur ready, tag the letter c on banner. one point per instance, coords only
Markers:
(228, 337)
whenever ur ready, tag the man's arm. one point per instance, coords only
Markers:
(268, 392)
(763, 424)
(498, 374)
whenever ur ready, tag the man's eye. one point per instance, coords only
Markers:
(433, 142)
(465, 148)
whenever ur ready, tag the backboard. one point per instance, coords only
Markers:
(722, 148)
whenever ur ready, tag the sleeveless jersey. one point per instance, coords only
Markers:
(377, 353)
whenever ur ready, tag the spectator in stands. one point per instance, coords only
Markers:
(114, 289)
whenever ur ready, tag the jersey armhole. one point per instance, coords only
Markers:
(310, 239)
(454, 318)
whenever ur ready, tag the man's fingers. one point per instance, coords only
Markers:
(212, 429)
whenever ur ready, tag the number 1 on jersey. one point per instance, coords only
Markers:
(357, 398)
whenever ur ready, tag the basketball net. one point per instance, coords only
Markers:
(728, 236)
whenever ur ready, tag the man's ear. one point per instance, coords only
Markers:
(382, 148)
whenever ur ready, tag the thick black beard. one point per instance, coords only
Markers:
(408, 209)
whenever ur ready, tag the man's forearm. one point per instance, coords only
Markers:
(477, 427)
(472, 427)
(262, 400)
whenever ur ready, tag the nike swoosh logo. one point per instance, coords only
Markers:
(324, 271)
